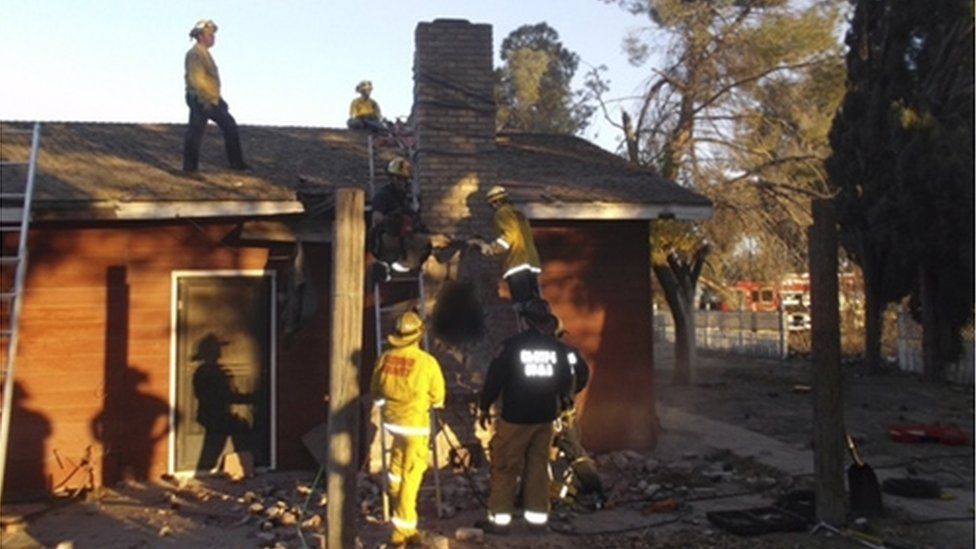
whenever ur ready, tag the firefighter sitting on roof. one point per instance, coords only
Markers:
(521, 265)
(407, 382)
(364, 112)
(580, 477)
(397, 238)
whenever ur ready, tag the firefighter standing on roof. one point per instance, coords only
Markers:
(203, 98)
(407, 382)
(531, 373)
(521, 265)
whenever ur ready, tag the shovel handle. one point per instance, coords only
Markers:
(855, 453)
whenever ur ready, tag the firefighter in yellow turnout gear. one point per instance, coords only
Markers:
(407, 382)
(521, 266)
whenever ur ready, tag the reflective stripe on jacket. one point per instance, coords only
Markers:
(411, 382)
(515, 235)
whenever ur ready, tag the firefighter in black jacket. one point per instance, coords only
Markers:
(532, 374)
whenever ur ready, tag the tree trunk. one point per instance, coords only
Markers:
(630, 137)
(682, 304)
(873, 322)
(828, 403)
(933, 353)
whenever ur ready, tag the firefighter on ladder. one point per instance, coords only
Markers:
(397, 238)
(407, 382)
(521, 265)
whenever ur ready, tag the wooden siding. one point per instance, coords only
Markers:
(93, 367)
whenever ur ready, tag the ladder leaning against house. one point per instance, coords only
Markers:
(381, 312)
(15, 209)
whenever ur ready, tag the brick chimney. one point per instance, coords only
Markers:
(454, 117)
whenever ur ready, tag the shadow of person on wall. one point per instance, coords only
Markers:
(142, 424)
(215, 394)
(25, 475)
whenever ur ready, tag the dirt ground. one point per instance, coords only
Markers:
(690, 477)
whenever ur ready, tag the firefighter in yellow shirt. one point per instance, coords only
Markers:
(364, 112)
(521, 265)
(203, 98)
(407, 382)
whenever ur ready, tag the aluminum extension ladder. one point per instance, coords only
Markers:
(378, 315)
(15, 210)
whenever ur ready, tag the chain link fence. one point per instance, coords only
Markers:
(761, 334)
(910, 351)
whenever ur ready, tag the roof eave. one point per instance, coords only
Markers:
(615, 211)
(158, 210)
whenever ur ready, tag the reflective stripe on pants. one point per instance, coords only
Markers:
(520, 450)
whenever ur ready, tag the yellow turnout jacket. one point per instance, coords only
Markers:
(515, 236)
(410, 382)
(202, 79)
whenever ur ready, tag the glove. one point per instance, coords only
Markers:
(485, 249)
(475, 242)
(483, 419)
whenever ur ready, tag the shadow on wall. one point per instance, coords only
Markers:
(27, 451)
(132, 421)
(596, 275)
(213, 388)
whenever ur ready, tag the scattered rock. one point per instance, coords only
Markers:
(303, 489)
(650, 464)
(164, 531)
(267, 537)
(476, 535)
(249, 497)
(689, 455)
(652, 489)
(312, 522)
(256, 508)
(619, 460)
(288, 519)
(266, 525)
(65, 545)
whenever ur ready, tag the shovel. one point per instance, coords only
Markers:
(862, 483)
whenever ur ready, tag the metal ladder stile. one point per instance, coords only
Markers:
(378, 315)
(11, 299)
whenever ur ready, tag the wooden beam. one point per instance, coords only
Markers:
(348, 239)
(828, 401)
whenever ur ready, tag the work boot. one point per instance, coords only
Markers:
(490, 527)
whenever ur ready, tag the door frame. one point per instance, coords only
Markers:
(273, 374)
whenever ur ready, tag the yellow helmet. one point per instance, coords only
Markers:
(497, 193)
(399, 166)
(203, 26)
(409, 328)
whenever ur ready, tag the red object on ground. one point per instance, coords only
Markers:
(943, 434)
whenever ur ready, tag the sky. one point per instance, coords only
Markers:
(286, 62)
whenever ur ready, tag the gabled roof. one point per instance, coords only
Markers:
(114, 170)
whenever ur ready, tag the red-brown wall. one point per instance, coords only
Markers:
(596, 275)
(93, 367)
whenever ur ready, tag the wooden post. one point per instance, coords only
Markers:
(828, 402)
(348, 238)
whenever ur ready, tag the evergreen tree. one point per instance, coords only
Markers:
(534, 86)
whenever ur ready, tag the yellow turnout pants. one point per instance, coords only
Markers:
(408, 462)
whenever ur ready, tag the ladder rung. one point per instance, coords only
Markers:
(9, 228)
(6, 333)
(15, 130)
(13, 195)
(5, 163)
(9, 260)
(8, 296)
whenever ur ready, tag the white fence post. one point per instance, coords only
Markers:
(783, 351)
